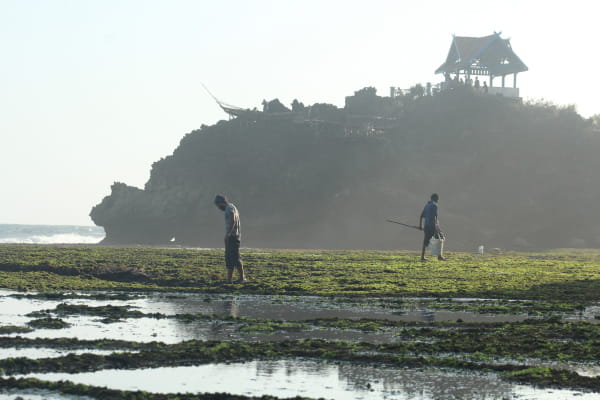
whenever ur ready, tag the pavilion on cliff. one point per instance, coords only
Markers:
(488, 56)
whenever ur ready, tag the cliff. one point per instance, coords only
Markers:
(510, 174)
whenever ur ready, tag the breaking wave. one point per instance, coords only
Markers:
(50, 234)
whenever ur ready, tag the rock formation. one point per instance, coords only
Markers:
(510, 175)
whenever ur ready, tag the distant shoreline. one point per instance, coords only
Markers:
(50, 234)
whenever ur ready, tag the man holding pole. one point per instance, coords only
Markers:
(432, 227)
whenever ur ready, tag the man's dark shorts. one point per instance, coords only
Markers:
(429, 233)
(232, 253)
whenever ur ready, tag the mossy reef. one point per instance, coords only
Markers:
(538, 350)
(554, 276)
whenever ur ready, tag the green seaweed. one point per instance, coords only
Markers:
(505, 306)
(550, 377)
(7, 329)
(199, 352)
(560, 277)
(48, 323)
(76, 344)
(545, 286)
(271, 326)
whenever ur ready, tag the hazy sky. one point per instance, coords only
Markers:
(93, 92)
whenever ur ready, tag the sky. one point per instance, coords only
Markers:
(94, 92)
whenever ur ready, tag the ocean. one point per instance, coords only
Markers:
(50, 234)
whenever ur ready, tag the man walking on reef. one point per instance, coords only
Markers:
(432, 226)
(233, 234)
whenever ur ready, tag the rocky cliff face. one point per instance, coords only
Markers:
(510, 175)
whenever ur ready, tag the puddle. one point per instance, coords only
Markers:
(41, 352)
(13, 311)
(289, 378)
(590, 371)
(294, 308)
(37, 395)
(589, 313)
(289, 308)
(135, 329)
(172, 331)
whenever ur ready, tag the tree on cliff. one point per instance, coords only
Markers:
(512, 175)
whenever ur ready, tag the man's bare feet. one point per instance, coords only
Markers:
(423, 259)
(441, 258)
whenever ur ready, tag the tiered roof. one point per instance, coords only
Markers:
(488, 55)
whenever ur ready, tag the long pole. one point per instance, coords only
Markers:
(403, 224)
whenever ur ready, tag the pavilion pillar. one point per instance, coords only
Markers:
(515, 80)
(503, 76)
(491, 80)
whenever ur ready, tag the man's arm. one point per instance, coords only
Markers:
(228, 235)
(421, 220)
(234, 223)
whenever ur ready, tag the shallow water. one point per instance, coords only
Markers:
(38, 395)
(287, 378)
(42, 352)
(296, 308)
(282, 378)
(172, 331)
(13, 311)
(590, 313)
(289, 308)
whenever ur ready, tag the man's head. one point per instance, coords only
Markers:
(435, 197)
(221, 202)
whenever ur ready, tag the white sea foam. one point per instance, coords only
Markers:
(54, 239)
(49, 234)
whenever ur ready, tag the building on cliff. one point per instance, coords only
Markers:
(487, 56)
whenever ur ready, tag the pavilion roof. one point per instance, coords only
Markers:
(487, 55)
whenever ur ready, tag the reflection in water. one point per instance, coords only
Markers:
(427, 316)
(288, 378)
(231, 308)
(37, 395)
(294, 308)
(42, 352)
(290, 308)
(284, 378)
